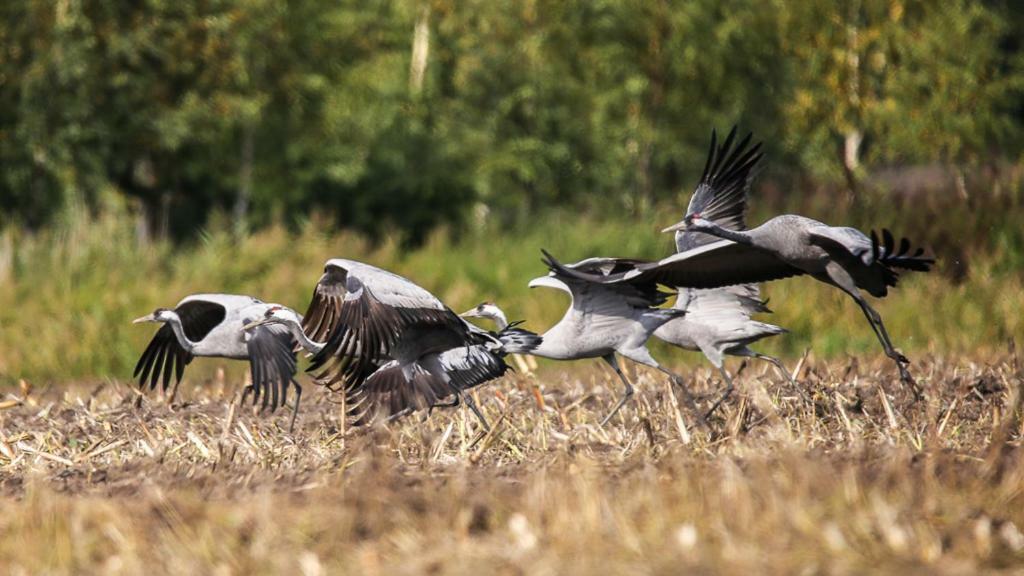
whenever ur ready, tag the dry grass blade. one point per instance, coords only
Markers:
(43, 454)
(788, 485)
(677, 415)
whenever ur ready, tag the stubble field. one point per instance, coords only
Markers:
(854, 477)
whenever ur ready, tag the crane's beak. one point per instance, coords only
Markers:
(677, 226)
(255, 323)
(471, 313)
(146, 318)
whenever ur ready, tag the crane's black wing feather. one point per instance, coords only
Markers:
(164, 355)
(638, 295)
(325, 307)
(272, 362)
(388, 392)
(722, 263)
(721, 195)
(378, 311)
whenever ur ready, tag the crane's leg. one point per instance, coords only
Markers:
(295, 411)
(785, 374)
(453, 403)
(614, 363)
(643, 356)
(875, 319)
(729, 387)
(778, 365)
(397, 415)
(245, 394)
(841, 279)
(472, 406)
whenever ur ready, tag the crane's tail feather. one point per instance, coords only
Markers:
(893, 258)
(519, 341)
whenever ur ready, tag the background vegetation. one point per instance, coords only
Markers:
(157, 148)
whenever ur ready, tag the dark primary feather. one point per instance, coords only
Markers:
(721, 195)
(515, 340)
(164, 355)
(272, 362)
(388, 392)
(325, 307)
(891, 258)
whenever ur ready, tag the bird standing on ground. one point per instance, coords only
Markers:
(212, 325)
(601, 321)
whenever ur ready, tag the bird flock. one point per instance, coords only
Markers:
(389, 347)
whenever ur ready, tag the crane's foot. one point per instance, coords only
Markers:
(622, 401)
(908, 380)
(721, 399)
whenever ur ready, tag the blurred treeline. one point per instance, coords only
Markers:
(404, 115)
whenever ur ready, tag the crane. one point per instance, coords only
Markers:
(602, 320)
(385, 338)
(396, 395)
(211, 325)
(718, 322)
(784, 246)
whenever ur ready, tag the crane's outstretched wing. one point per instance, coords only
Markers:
(390, 392)
(471, 366)
(325, 307)
(164, 355)
(272, 362)
(581, 277)
(727, 306)
(721, 263)
(721, 195)
(376, 310)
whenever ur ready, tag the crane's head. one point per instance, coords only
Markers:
(276, 314)
(158, 315)
(692, 221)
(488, 310)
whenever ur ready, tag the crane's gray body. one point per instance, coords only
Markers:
(598, 322)
(718, 322)
(227, 339)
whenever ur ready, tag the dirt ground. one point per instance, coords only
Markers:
(845, 473)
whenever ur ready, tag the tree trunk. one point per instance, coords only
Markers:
(851, 159)
(420, 50)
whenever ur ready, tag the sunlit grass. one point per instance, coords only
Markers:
(68, 298)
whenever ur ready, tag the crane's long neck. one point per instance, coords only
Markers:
(305, 341)
(500, 321)
(736, 236)
(179, 333)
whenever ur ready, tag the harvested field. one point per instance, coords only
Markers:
(854, 477)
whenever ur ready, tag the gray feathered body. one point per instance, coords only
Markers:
(599, 321)
(718, 321)
(838, 255)
(227, 339)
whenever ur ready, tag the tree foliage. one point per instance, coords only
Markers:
(276, 110)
